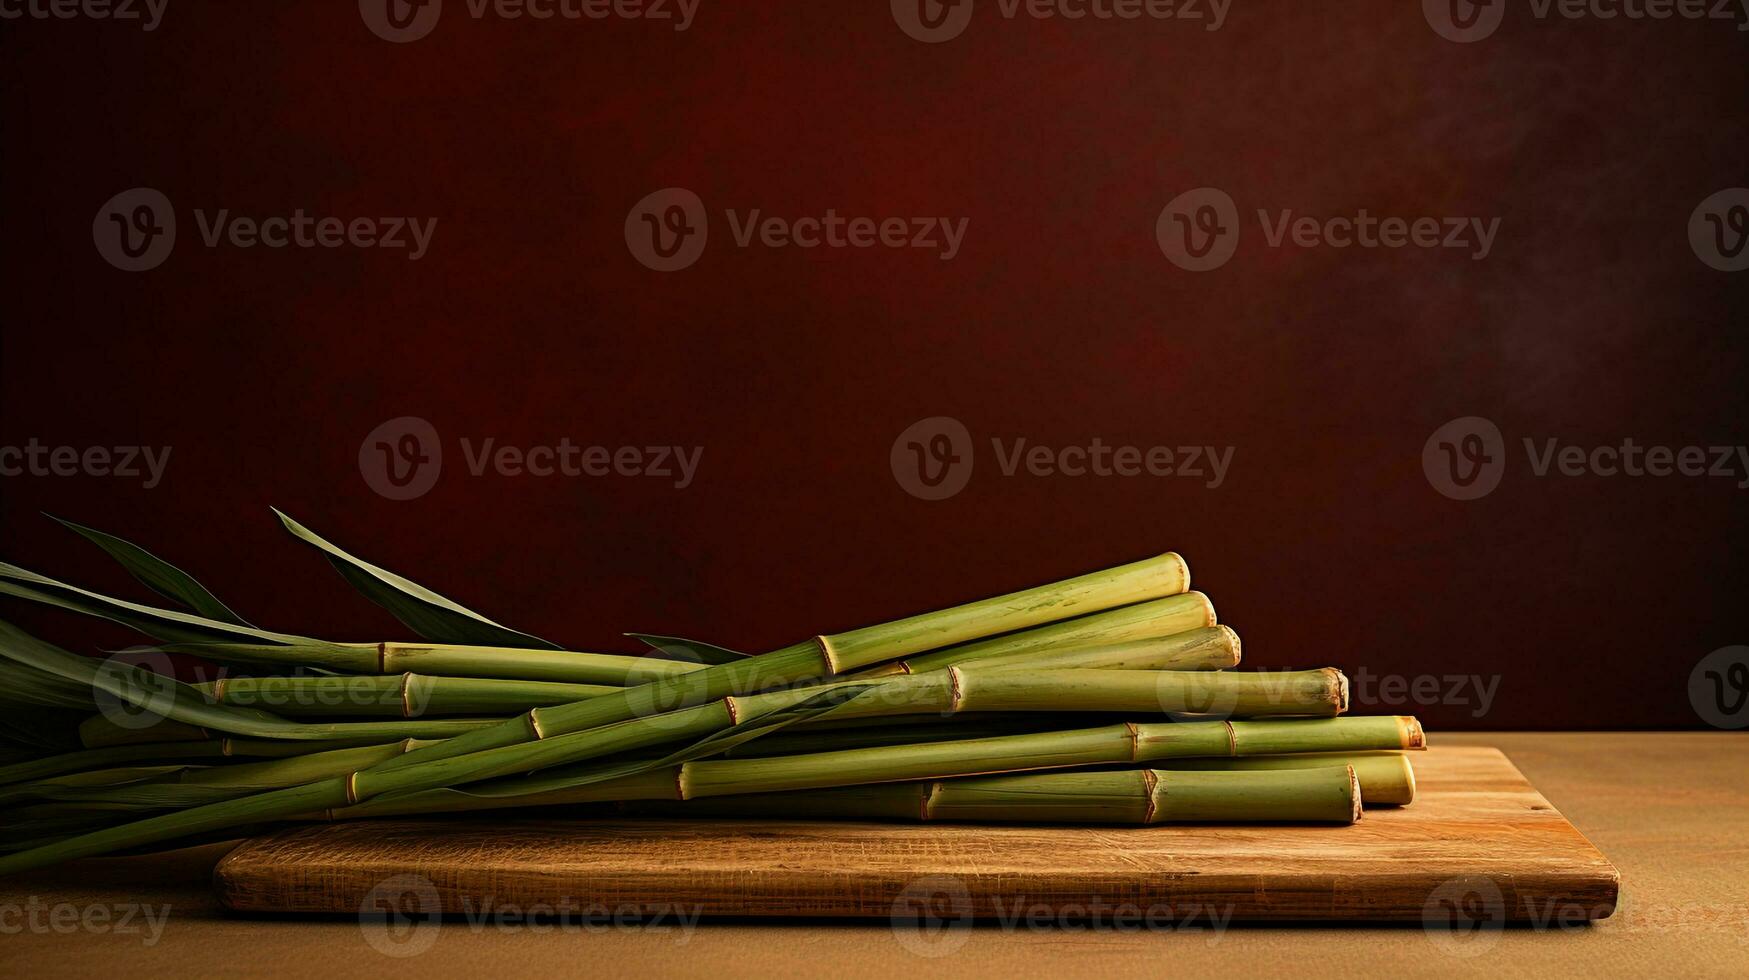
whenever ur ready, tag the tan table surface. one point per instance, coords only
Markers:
(1670, 810)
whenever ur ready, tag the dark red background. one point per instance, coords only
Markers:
(529, 321)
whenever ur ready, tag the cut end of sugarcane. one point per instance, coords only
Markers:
(1183, 570)
(1233, 644)
(1341, 692)
(1414, 737)
(1208, 608)
(1354, 793)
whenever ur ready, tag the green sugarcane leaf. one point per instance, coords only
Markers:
(21, 685)
(160, 624)
(691, 651)
(167, 698)
(426, 613)
(157, 574)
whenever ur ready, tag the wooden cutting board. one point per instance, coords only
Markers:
(1479, 846)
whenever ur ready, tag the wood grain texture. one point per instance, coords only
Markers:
(1477, 825)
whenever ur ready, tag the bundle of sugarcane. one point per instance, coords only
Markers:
(1105, 698)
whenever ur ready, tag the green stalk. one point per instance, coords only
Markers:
(1327, 794)
(85, 760)
(631, 718)
(941, 692)
(797, 742)
(197, 786)
(1124, 744)
(448, 660)
(1144, 620)
(945, 692)
(842, 653)
(1116, 744)
(99, 731)
(395, 696)
(1386, 778)
(1205, 648)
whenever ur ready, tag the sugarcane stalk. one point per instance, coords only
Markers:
(1325, 794)
(1116, 744)
(828, 655)
(405, 695)
(1160, 617)
(1125, 744)
(1386, 778)
(1205, 648)
(101, 731)
(208, 749)
(447, 660)
(191, 786)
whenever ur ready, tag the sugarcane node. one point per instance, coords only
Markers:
(956, 690)
(827, 657)
(734, 711)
